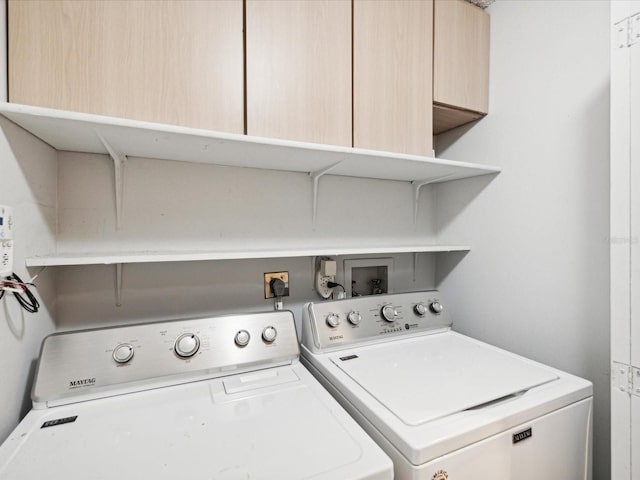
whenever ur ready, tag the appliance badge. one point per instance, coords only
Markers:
(59, 421)
(348, 357)
(440, 475)
(520, 436)
(82, 382)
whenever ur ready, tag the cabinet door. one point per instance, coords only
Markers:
(176, 62)
(392, 44)
(299, 70)
(461, 55)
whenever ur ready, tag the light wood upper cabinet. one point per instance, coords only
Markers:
(175, 62)
(299, 70)
(392, 75)
(460, 63)
(375, 74)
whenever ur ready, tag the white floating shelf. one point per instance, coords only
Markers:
(80, 132)
(151, 257)
(122, 138)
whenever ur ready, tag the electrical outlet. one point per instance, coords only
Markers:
(284, 276)
(326, 269)
(322, 287)
(6, 241)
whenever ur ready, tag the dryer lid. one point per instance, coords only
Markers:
(199, 431)
(430, 377)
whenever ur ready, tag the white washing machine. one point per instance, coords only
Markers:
(443, 405)
(215, 398)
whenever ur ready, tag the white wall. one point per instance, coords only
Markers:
(28, 183)
(537, 278)
(193, 289)
(175, 205)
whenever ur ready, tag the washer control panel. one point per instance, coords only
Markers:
(358, 319)
(101, 362)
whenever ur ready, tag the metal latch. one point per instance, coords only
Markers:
(634, 29)
(620, 376)
(622, 33)
(635, 381)
(628, 31)
(625, 378)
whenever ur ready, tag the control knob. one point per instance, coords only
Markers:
(187, 345)
(354, 317)
(242, 338)
(436, 307)
(388, 313)
(123, 353)
(333, 320)
(420, 309)
(269, 334)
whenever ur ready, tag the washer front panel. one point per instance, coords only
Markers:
(88, 364)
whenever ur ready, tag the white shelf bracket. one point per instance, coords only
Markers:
(32, 279)
(417, 185)
(119, 162)
(118, 284)
(315, 177)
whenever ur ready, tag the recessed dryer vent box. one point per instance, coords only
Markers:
(367, 276)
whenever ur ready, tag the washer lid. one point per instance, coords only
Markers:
(433, 376)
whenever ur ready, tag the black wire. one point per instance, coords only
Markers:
(30, 304)
(334, 284)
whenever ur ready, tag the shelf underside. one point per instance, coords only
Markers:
(80, 132)
(104, 258)
(447, 118)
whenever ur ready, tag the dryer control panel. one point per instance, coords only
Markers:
(103, 362)
(362, 319)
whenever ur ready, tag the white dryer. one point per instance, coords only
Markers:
(443, 405)
(215, 398)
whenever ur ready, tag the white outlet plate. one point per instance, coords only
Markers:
(6, 241)
(284, 276)
(321, 284)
